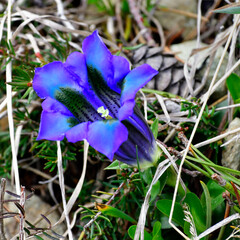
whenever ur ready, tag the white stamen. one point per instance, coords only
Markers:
(104, 112)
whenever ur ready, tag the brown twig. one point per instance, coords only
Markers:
(229, 203)
(119, 20)
(181, 12)
(22, 213)
(220, 180)
(236, 192)
(2, 192)
(138, 18)
(175, 152)
(109, 201)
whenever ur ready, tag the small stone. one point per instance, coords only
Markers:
(177, 22)
(231, 152)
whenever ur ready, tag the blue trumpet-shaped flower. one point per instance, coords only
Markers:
(91, 96)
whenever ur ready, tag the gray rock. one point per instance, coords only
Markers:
(174, 22)
(231, 152)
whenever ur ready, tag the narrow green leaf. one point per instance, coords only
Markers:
(155, 191)
(163, 180)
(147, 176)
(49, 236)
(31, 95)
(11, 48)
(132, 230)
(220, 168)
(154, 128)
(114, 212)
(21, 74)
(197, 211)
(37, 237)
(156, 233)
(216, 192)
(164, 206)
(18, 84)
(208, 205)
(233, 85)
(117, 165)
(233, 8)
(134, 47)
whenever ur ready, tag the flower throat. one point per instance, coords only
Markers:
(77, 104)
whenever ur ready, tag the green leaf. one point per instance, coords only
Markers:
(233, 8)
(155, 191)
(11, 48)
(164, 206)
(197, 211)
(18, 84)
(132, 230)
(114, 212)
(163, 180)
(31, 95)
(154, 128)
(21, 74)
(37, 237)
(156, 233)
(208, 205)
(233, 85)
(27, 92)
(216, 192)
(147, 175)
(49, 236)
(133, 47)
(117, 165)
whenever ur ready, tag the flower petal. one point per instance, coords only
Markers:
(137, 146)
(107, 136)
(53, 126)
(76, 63)
(121, 69)
(78, 132)
(51, 77)
(135, 80)
(98, 56)
(52, 105)
(138, 120)
(126, 110)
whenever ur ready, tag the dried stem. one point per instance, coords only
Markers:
(236, 192)
(22, 213)
(2, 192)
(110, 200)
(138, 18)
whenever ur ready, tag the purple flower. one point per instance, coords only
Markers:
(91, 96)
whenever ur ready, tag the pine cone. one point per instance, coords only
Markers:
(170, 78)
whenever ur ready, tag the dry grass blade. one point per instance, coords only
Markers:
(61, 181)
(190, 74)
(215, 139)
(162, 167)
(9, 105)
(44, 19)
(219, 225)
(78, 188)
(163, 106)
(144, 104)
